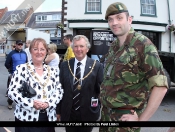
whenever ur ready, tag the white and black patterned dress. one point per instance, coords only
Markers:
(24, 106)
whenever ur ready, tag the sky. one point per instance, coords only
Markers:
(47, 5)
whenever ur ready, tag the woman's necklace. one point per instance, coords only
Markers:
(38, 80)
(39, 68)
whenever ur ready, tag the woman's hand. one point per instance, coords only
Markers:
(39, 105)
(44, 105)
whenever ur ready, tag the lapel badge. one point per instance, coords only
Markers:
(89, 66)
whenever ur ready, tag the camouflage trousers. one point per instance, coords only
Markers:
(108, 114)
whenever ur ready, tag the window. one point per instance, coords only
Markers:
(148, 8)
(41, 18)
(55, 17)
(93, 6)
(52, 33)
(44, 18)
(38, 18)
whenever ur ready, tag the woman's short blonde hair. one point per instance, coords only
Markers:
(36, 41)
(13, 44)
(52, 47)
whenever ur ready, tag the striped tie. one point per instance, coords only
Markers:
(76, 92)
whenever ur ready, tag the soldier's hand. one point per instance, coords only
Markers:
(130, 117)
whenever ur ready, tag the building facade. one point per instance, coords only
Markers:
(150, 17)
(47, 22)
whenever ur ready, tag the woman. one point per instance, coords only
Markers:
(45, 81)
(52, 58)
(13, 46)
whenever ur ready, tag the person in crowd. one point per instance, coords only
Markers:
(61, 60)
(68, 41)
(14, 58)
(9, 76)
(27, 49)
(45, 81)
(133, 71)
(52, 58)
(80, 78)
(9, 50)
(13, 46)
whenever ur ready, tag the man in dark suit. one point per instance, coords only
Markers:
(81, 78)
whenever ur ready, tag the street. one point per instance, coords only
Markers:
(166, 111)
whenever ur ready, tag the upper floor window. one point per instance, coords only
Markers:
(44, 18)
(41, 18)
(148, 7)
(55, 17)
(93, 6)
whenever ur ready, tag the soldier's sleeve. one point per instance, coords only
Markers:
(153, 67)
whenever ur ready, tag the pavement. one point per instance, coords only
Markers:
(1, 55)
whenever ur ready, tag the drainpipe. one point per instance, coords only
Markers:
(169, 21)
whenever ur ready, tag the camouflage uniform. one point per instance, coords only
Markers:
(131, 71)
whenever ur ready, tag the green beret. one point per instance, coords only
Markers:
(115, 8)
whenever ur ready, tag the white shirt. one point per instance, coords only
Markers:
(55, 62)
(82, 66)
(28, 54)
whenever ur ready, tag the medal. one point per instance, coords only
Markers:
(79, 87)
(44, 94)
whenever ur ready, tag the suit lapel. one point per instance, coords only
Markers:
(71, 62)
(88, 67)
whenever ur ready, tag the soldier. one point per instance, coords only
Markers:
(133, 70)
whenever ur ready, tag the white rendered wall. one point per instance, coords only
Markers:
(134, 8)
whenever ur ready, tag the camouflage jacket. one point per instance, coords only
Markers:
(130, 72)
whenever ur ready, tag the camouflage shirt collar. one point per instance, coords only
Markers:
(129, 36)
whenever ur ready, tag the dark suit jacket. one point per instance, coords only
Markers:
(90, 88)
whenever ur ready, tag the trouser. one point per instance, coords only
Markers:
(76, 117)
(8, 83)
(108, 114)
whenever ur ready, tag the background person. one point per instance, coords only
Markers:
(52, 58)
(13, 46)
(9, 76)
(45, 81)
(61, 60)
(8, 50)
(133, 70)
(68, 41)
(80, 78)
(27, 50)
(14, 58)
